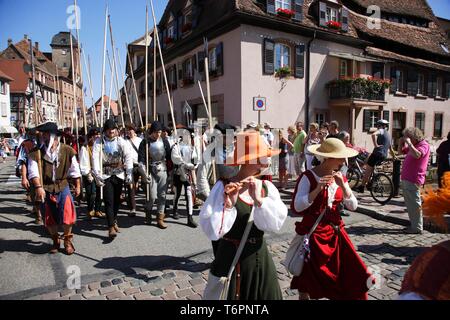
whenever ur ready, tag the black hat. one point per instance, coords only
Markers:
(93, 131)
(49, 127)
(223, 127)
(109, 124)
(131, 127)
(156, 126)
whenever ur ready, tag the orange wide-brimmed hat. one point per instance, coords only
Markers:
(250, 148)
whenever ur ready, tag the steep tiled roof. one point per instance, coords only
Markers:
(402, 58)
(427, 39)
(413, 8)
(258, 8)
(4, 76)
(16, 68)
(114, 105)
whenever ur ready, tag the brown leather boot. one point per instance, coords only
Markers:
(68, 245)
(160, 221)
(112, 233)
(56, 244)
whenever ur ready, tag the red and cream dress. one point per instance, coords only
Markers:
(334, 269)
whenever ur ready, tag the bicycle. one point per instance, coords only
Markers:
(380, 184)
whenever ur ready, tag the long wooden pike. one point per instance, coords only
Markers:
(56, 89)
(169, 97)
(102, 107)
(124, 86)
(88, 72)
(134, 86)
(97, 124)
(111, 82)
(155, 114)
(116, 86)
(208, 94)
(88, 69)
(115, 72)
(203, 98)
(83, 111)
(146, 103)
(74, 86)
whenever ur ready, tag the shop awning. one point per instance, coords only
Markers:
(8, 129)
(351, 56)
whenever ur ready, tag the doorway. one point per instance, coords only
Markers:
(398, 125)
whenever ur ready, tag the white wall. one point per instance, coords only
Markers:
(5, 101)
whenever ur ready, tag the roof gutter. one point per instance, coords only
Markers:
(308, 79)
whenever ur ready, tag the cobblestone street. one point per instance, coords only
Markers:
(382, 246)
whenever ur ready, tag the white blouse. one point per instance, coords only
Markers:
(216, 220)
(301, 197)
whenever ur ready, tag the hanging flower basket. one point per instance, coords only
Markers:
(285, 13)
(334, 25)
(283, 72)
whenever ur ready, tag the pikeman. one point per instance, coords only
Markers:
(134, 142)
(93, 198)
(117, 167)
(49, 167)
(185, 158)
(159, 152)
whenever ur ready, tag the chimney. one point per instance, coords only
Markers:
(36, 45)
(25, 36)
(9, 42)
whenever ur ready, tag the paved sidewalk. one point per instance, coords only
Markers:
(382, 245)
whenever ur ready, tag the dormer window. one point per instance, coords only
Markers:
(333, 16)
(283, 4)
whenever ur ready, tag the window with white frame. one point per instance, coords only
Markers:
(282, 56)
(332, 14)
(4, 110)
(171, 31)
(420, 121)
(283, 4)
(439, 87)
(320, 118)
(420, 84)
(212, 59)
(343, 68)
(2, 87)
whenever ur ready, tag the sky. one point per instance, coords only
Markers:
(42, 19)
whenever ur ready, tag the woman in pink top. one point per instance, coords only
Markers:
(414, 169)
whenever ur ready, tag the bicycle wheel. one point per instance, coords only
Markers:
(382, 189)
(353, 177)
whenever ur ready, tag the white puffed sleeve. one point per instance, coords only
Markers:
(350, 203)
(301, 201)
(215, 220)
(85, 161)
(272, 213)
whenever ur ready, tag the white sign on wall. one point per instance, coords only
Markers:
(259, 104)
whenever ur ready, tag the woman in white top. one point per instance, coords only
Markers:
(313, 138)
(224, 217)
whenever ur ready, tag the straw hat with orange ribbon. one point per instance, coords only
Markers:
(332, 148)
(250, 148)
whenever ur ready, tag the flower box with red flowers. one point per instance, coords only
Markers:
(186, 27)
(334, 25)
(285, 13)
(168, 40)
